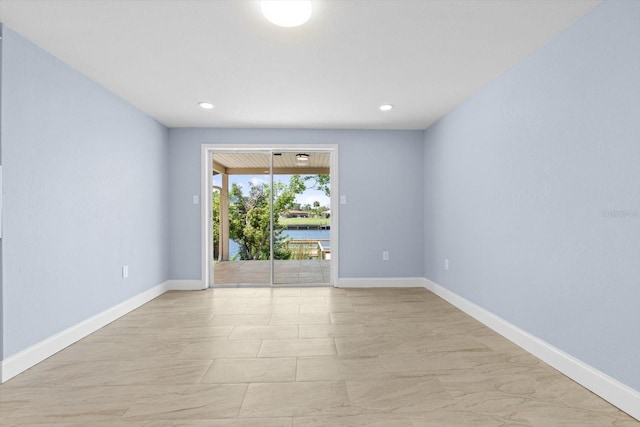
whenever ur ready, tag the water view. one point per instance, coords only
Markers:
(234, 248)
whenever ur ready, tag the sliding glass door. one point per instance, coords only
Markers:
(270, 217)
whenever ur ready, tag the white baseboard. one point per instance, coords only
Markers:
(29, 357)
(381, 282)
(610, 389)
(184, 285)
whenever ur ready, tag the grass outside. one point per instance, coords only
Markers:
(304, 221)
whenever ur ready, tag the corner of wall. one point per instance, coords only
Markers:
(40, 351)
(530, 193)
(85, 144)
(1, 229)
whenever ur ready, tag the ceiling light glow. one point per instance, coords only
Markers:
(206, 105)
(386, 107)
(286, 13)
(302, 157)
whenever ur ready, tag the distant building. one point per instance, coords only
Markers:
(297, 214)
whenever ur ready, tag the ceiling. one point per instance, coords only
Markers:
(283, 163)
(165, 56)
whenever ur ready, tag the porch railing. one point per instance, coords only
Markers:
(309, 248)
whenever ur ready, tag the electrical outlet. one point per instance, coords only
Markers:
(385, 256)
(196, 199)
(446, 263)
(125, 271)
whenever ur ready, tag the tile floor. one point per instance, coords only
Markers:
(285, 272)
(298, 357)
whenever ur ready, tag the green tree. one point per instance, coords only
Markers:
(249, 218)
(216, 224)
(315, 182)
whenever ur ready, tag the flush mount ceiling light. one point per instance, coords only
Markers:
(386, 107)
(286, 13)
(302, 157)
(206, 105)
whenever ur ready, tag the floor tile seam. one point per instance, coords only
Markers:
(280, 383)
(244, 397)
(226, 338)
(46, 387)
(128, 359)
(206, 371)
(299, 339)
(259, 349)
(259, 338)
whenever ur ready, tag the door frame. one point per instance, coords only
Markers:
(206, 180)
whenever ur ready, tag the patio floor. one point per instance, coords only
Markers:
(286, 272)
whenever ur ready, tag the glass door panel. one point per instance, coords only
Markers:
(241, 218)
(301, 218)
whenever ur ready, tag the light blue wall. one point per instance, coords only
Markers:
(380, 172)
(1, 270)
(520, 182)
(85, 192)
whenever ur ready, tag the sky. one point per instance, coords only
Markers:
(308, 197)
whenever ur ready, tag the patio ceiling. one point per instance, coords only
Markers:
(284, 163)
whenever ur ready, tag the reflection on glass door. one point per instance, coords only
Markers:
(271, 218)
(302, 218)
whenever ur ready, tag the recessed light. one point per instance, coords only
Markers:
(206, 105)
(386, 107)
(302, 157)
(286, 13)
